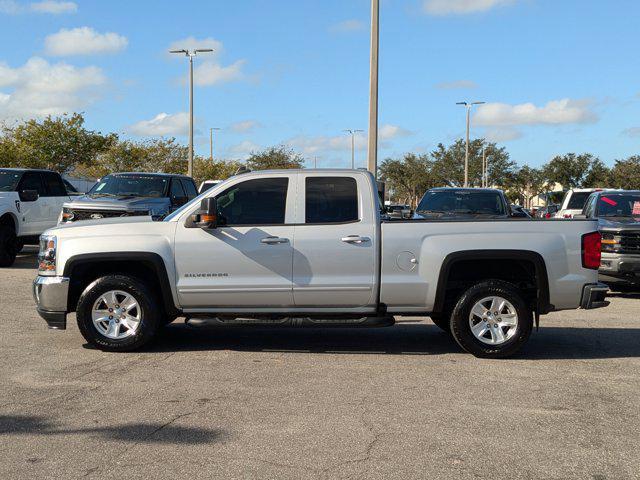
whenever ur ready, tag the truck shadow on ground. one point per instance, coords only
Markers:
(150, 433)
(549, 343)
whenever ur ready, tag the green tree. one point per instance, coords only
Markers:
(576, 171)
(524, 184)
(205, 169)
(626, 173)
(408, 178)
(449, 163)
(57, 143)
(275, 158)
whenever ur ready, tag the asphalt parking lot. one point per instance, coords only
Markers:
(401, 402)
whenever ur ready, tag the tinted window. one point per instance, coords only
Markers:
(577, 200)
(331, 199)
(55, 187)
(189, 188)
(461, 202)
(254, 202)
(70, 188)
(177, 192)
(619, 205)
(31, 181)
(131, 185)
(9, 180)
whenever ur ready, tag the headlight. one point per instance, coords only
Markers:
(47, 255)
(67, 215)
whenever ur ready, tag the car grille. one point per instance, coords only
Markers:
(629, 242)
(93, 214)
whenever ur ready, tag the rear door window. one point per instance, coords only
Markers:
(32, 181)
(54, 184)
(331, 200)
(189, 188)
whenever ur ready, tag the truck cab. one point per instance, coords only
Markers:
(30, 203)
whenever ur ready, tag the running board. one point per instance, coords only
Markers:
(303, 322)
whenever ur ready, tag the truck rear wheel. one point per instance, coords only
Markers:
(8, 245)
(118, 313)
(491, 320)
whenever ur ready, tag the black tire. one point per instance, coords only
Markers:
(461, 330)
(152, 315)
(8, 246)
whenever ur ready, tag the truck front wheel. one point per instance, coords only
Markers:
(8, 245)
(118, 313)
(491, 320)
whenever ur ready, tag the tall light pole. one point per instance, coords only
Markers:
(211, 141)
(353, 145)
(191, 54)
(372, 156)
(468, 106)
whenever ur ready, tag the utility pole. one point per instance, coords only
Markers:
(353, 146)
(372, 157)
(484, 168)
(211, 141)
(468, 106)
(191, 54)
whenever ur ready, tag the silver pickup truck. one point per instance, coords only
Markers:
(308, 248)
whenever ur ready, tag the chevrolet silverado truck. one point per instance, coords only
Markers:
(130, 195)
(618, 215)
(30, 203)
(309, 248)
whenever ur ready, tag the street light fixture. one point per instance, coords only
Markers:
(191, 54)
(211, 141)
(353, 145)
(468, 106)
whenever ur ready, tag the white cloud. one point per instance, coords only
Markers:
(389, 132)
(244, 126)
(192, 43)
(210, 73)
(502, 134)
(633, 132)
(12, 7)
(243, 149)
(54, 7)
(39, 88)
(83, 41)
(347, 26)
(162, 125)
(555, 112)
(209, 70)
(458, 7)
(457, 85)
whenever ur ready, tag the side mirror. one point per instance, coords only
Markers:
(207, 217)
(29, 195)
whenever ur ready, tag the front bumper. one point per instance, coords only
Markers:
(623, 268)
(50, 295)
(594, 296)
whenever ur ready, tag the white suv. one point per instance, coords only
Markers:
(573, 202)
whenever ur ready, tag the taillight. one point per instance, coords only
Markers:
(568, 215)
(591, 250)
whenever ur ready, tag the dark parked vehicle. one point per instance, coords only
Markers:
(618, 215)
(547, 212)
(398, 211)
(518, 211)
(451, 203)
(131, 194)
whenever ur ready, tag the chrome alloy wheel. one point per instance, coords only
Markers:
(116, 314)
(493, 320)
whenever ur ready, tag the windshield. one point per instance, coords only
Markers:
(9, 180)
(577, 200)
(619, 205)
(131, 185)
(462, 202)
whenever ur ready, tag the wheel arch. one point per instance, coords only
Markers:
(85, 268)
(10, 219)
(469, 257)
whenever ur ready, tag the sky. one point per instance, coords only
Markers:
(557, 76)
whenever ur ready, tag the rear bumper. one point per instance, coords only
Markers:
(50, 295)
(594, 296)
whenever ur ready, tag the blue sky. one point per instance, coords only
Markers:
(558, 76)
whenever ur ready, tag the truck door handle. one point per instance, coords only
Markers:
(274, 240)
(355, 239)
